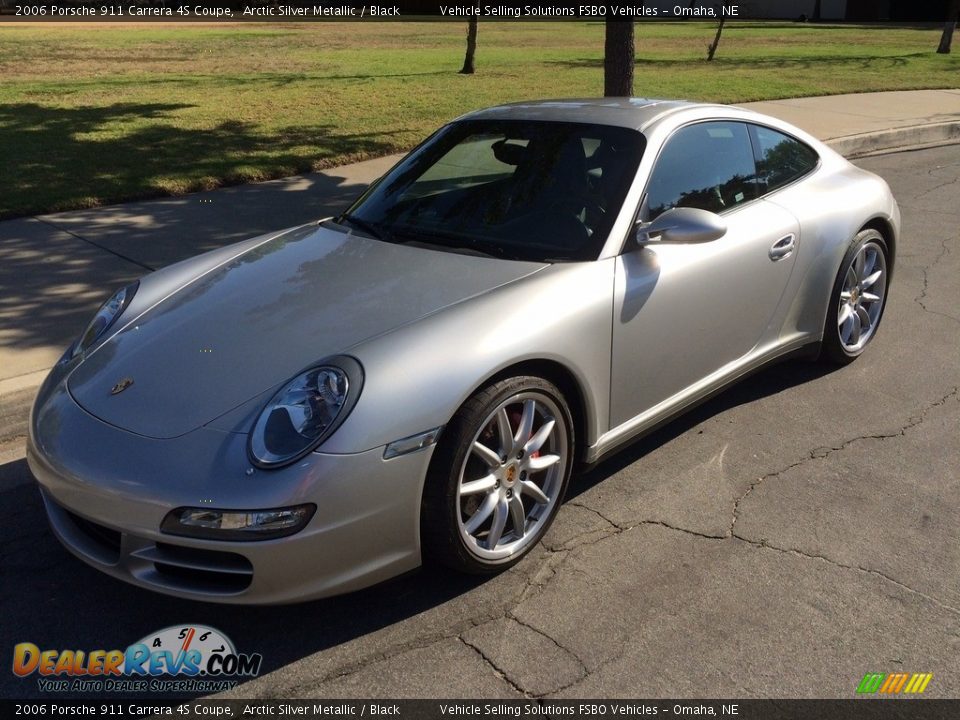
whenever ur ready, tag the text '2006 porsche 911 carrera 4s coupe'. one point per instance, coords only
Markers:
(316, 410)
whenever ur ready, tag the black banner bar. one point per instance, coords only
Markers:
(853, 709)
(381, 10)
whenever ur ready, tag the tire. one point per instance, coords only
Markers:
(858, 299)
(473, 497)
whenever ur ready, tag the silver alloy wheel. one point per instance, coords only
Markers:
(511, 479)
(861, 298)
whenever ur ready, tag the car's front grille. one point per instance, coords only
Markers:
(193, 569)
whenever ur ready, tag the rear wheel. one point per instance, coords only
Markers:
(498, 476)
(858, 299)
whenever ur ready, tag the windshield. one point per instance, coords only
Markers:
(516, 189)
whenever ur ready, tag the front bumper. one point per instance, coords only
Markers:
(106, 492)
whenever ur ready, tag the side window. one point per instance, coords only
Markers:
(708, 166)
(781, 159)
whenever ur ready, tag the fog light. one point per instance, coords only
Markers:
(243, 525)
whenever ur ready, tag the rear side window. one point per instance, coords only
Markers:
(781, 159)
(709, 166)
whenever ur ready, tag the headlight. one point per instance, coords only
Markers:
(105, 317)
(305, 412)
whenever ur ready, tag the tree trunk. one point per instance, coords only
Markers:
(711, 49)
(946, 40)
(816, 10)
(618, 59)
(468, 68)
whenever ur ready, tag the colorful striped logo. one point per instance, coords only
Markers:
(894, 683)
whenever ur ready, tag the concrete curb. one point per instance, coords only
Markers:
(14, 412)
(861, 144)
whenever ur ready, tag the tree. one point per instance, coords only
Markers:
(618, 59)
(816, 10)
(712, 48)
(946, 40)
(468, 68)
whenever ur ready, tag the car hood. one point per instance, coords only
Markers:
(253, 322)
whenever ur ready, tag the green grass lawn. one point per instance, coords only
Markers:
(96, 114)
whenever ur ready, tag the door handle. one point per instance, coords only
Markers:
(783, 247)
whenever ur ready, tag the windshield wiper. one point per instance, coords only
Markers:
(453, 243)
(427, 237)
(370, 228)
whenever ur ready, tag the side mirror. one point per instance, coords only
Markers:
(682, 225)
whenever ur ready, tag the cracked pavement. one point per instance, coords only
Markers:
(782, 540)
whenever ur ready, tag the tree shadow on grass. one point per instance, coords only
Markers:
(64, 158)
(195, 80)
(759, 63)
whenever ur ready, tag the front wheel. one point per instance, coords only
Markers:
(858, 299)
(498, 476)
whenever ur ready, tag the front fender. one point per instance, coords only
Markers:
(417, 376)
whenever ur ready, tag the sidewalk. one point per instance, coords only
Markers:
(55, 269)
(855, 125)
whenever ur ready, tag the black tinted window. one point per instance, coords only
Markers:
(781, 159)
(708, 166)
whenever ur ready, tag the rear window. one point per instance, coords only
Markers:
(781, 159)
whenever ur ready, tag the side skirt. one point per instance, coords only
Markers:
(646, 423)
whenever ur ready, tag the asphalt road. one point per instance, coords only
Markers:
(793, 534)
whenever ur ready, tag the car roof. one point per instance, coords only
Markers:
(634, 113)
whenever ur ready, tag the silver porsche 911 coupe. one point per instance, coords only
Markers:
(316, 410)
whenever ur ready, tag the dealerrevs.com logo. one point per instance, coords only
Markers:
(180, 658)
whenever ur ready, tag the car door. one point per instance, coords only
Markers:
(683, 312)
